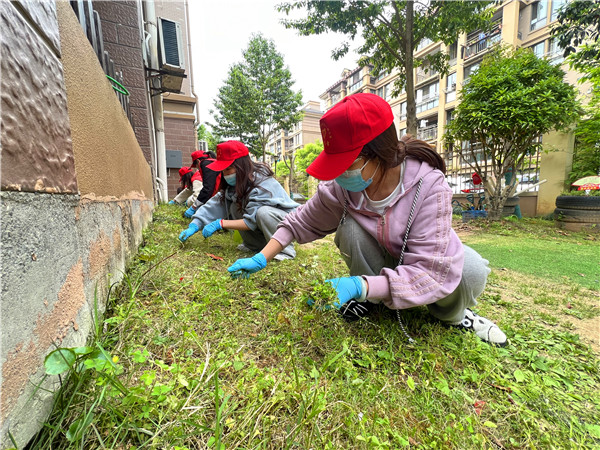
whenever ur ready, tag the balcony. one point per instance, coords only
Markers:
(479, 44)
(355, 86)
(423, 75)
(428, 133)
(537, 23)
(555, 57)
(431, 101)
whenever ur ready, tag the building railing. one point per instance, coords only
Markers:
(538, 23)
(554, 56)
(355, 86)
(89, 19)
(431, 101)
(428, 133)
(422, 75)
(483, 41)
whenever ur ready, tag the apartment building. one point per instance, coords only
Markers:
(516, 22)
(305, 132)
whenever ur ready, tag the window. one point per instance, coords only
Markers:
(403, 111)
(424, 43)
(538, 14)
(555, 53)
(538, 49)
(449, 115)
(385, 92)
(402, 132)
(453, 53)
(556, 5)
(451, 87)
(428, 97)
(470, 70)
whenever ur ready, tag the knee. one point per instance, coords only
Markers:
(476, 270)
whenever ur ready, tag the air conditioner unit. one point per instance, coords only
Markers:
(171, 55)
(171, 44)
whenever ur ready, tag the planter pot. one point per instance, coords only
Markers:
(509, 206)
(578, 213)
(473, 214)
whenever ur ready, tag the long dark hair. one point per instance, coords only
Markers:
(245, 179)
(186, 180)
(392, 151)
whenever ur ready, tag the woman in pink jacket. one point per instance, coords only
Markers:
(390, 207)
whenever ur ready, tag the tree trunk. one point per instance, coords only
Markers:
(411, 106)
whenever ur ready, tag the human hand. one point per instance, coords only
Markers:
(191, 229)
(211, 228)
(189, 212)
(242, 268)
(348, 288)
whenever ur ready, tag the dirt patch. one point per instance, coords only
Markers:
(562, 302)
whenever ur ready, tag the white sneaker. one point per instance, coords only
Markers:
(243, 248)
(484, 329)
(282, 257)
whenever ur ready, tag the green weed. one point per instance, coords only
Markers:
(190, 359)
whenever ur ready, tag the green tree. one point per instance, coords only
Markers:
(392, 30)
(577, 31)
(257, 99)
(205, 135)
(506, 106)
(232, 116)
(307, 154)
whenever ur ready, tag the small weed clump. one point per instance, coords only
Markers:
(187, 358)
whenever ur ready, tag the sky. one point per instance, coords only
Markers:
(220, 32)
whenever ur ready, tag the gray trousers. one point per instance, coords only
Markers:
(267, 219)
(364, 256)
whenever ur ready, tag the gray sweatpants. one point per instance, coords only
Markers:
(364, 256)
(267, 219)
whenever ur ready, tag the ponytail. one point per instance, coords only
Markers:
(392, 151)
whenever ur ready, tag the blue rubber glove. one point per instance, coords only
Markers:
(191, 229)
(242, 268)
(172, 202)
(211, 228)
(348, 288)
(189, 212)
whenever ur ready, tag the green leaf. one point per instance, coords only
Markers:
(489, 424)
(238, 365)
(59, 361)
(411, 383)
(519, 376)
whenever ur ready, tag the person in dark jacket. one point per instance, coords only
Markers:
(210, 180)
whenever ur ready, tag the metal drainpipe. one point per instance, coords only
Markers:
(189, 44)
(157, 106)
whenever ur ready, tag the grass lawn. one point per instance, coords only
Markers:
(188, 358)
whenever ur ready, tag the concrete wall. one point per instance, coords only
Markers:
(76, 192)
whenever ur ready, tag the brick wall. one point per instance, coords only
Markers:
(180, 135)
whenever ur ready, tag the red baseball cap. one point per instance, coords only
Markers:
(183, 171)
(353, 122)
(227, 152)
(198, 154)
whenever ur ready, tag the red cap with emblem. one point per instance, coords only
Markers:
(346, 128)
(227, 152)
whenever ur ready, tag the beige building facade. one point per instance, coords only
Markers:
(522, 24)
(305, 132)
